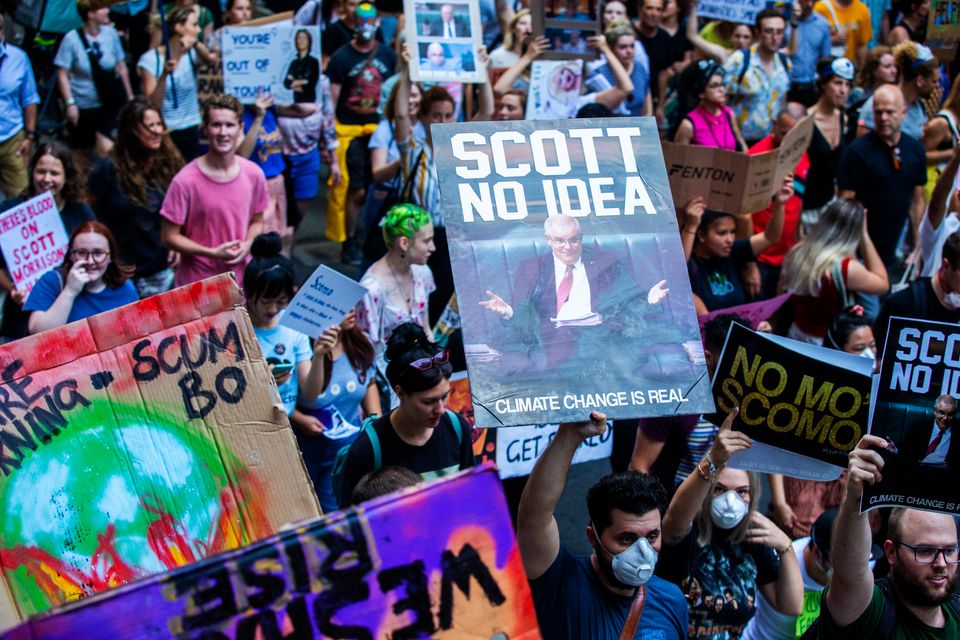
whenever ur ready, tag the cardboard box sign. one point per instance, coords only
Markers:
(136, 441)
(375, 573)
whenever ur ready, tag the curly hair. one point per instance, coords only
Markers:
(140, 169)
(72, 184)
(867, 78)
(403, 220)
(907, 55)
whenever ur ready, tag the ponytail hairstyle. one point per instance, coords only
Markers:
(407, 344)
(269, 274)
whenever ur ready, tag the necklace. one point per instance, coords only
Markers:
(406, 295)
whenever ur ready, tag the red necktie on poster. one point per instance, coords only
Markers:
(933, 445)
(566, 284)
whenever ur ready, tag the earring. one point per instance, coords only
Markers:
(403, 255)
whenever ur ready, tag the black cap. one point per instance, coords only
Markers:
(822, 530)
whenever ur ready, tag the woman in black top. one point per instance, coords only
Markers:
(127, 189)
(420, 434)
(52, 169)
(834, 76)
(304, 72)
(909, 20)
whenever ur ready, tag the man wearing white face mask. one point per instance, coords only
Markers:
(612, 593)
(713, 534)
(936, 298)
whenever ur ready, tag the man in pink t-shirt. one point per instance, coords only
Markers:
(214, 206)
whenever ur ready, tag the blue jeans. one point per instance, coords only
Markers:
(319, 454)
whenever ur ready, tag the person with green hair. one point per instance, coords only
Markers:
(398, 284)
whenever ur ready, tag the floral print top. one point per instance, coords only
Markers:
(379, 312)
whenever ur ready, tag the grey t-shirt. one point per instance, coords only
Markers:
(73, 57)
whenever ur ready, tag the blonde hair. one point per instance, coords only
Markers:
(906, 54)
(738, 533)
(616, 30)
(508, 37)
(834, 237)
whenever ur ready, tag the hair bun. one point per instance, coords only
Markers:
(267, 245)
(404, 339)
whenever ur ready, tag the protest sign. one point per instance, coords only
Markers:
(753, 312)
(921, 363)
(567, 25)
(730, 181)
(33, 240)
(538, 350)
(444, 38)
(322, 301)
(791, 399)
(278, 58)
(554, 89)
(136, 441)
(742, 11)
(943, 21)
(484, 440)
(404, 566)
(519, 449)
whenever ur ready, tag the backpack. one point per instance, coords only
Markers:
(746, 64)
(367, 428)
(888, 620)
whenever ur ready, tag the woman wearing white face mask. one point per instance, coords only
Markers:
(713, 534)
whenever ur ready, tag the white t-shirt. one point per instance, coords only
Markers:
(73, 57)
(931, 241)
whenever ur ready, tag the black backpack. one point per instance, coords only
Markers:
(888, 621)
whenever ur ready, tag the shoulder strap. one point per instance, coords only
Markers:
(455, 423)
(94, 63)
(633, 617)
(946, 115)
(836, 272)
(746, 65)
(888, 619)
(407, 188)
(783, 60)
(833, 13)
(371, 432)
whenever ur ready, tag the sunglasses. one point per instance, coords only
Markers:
(425, 364)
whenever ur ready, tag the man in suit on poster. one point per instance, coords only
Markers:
(572, 292)
(451, 25)
(932, 444)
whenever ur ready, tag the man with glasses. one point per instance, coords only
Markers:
(931, 444)
(921, 548)
(758, 78)
(573, 288)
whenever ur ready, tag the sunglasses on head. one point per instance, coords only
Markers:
(425, 364)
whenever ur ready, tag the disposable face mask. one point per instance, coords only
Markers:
(952, 300)
(728, 509)
(634, 565)
(868, 353)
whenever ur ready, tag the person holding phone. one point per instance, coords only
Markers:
(268, 282)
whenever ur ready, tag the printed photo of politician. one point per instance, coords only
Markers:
(439, 57)
(447, 20)
(929, 439)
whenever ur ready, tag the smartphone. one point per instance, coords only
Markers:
(281, 369)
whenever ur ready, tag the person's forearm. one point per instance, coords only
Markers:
(386, 171)
(182, 244)
(777, 494)
(916, 212)
(30, 117)
(63, 84)
(871, 258)
(792, 44)
(850, 551)
(514, 71)
(6, 283)
(401, 108)
(623, 81)
(937, 208)
(485, 104)
(547, 480)
(790, 584)
(249, 142)
(935, 157)
(255, 228)
(688, 238)
(774, 228)
(678, 520)
(124, 74)
(313, 383)
(55, 316)
(371, 401)
(155, 93)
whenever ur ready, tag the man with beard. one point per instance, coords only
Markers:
(921, 548)
(613, 590)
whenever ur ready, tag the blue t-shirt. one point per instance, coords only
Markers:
(338, 407)
(282, 345)
(572, 603)
(87, 304)
(268, 152)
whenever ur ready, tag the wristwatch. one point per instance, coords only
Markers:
(71, 101)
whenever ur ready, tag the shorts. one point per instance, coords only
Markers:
(305, 174)
(89, 124)
(13, 171)
(359, 170)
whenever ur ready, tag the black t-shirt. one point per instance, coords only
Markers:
(660, 49)
(338, 34)
(441, 455)
(136, 228)
(916, 301)
(729, 572)
(73, 214)
(360, 76)
(717, 280)
(867, 167)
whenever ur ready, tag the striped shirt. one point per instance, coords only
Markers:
(603, 79)
(182, 84)
(698, 443)
(425, 190)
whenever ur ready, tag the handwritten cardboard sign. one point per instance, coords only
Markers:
(731, 181)
(323, 301)
(136, 441)
(404, 566)
(33, 240)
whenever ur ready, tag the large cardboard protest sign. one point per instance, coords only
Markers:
(403, 566)
(789, 399)
(943, 21)
(921, 362)
(444, 37)
(277, 58)
(730, 181)
(544, 343)
(137, 441)
(33, 240)
(742, 11)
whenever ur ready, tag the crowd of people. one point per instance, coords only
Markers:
(158, 188)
